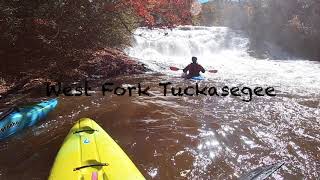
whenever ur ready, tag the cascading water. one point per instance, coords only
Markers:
(199, 137)
(225, 50)
(232, 137)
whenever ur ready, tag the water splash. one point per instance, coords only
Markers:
(226, 50)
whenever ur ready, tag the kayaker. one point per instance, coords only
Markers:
(194, 69)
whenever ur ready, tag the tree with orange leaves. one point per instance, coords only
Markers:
(82, 24)
(156, 13)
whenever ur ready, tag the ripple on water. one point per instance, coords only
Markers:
(193, 137)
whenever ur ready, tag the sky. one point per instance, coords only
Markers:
(203, 1)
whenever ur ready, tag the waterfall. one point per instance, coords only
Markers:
(223, 49)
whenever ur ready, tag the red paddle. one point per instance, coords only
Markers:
(177, 69)
(174, 68)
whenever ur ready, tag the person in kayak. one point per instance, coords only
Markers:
(194, 69)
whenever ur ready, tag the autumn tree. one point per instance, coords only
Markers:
(74, 24)
(293, 25)
(62, 33)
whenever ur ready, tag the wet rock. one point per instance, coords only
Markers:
(310, 103)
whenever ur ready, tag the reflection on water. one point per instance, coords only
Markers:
(191, 137)
(180, 137)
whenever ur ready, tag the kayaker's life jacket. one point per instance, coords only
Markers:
(194, 69)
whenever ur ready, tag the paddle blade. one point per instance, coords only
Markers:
(174, 68)
(213, 71)
(262, 173)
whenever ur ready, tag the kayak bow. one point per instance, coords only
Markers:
(88, 153)
(15, 119)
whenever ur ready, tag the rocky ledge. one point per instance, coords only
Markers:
(104, 63)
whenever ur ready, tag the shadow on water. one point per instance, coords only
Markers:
(184, 137)
(171, 137)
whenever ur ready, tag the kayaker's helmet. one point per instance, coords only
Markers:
(194, 59)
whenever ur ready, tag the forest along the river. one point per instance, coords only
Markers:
(204, 137)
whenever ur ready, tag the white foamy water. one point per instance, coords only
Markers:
(227, 51)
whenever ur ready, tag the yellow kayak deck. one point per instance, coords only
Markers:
(89, 153)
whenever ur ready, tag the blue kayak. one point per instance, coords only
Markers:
(198, 78)
(16, 119)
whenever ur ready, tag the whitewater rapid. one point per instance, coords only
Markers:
(199, 137)
(227, 51)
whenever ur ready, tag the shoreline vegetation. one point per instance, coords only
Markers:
(291, 25)
(45, 41)
(51, 41)
(104, 63)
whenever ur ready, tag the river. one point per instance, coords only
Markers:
(199, 137)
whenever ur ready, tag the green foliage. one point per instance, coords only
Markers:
(62, 24)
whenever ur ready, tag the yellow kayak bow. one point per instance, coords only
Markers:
(89, 153)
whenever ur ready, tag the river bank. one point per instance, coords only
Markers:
(293, 27)
(19, 78)
(188, 137)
